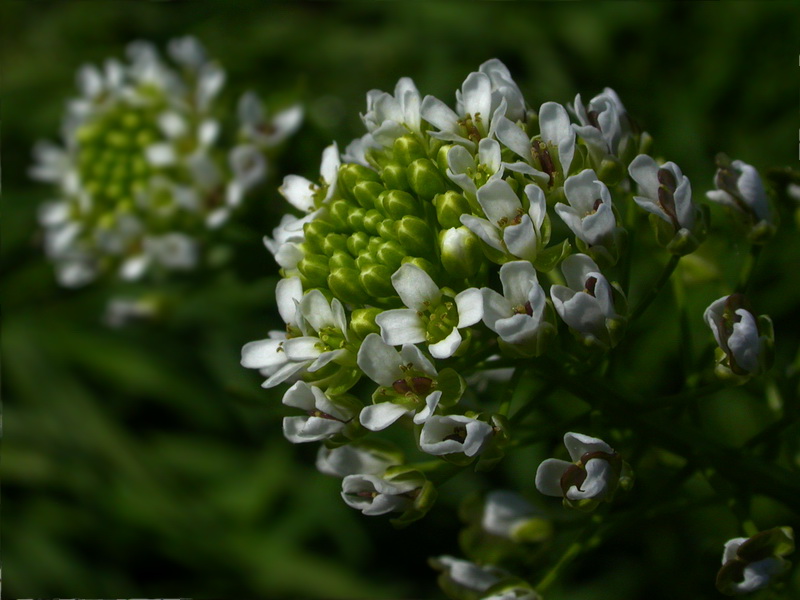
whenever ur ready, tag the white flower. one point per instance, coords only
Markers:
(407, 372)
(325, 418)
(517, 316)
(470, 172)
(264, 133)
(604, 123)
(504, 88)
(390, 117)
(505, 512)
(736, 331)
(589, 214)
(557, 134)
(322, 329)
(373, 495)
(587, 304)
(739, 186)
(354, 459)
(666, 192)
(286, 240)
(307, 196)
(749, 564)
(454, 434)
(475, 117)
(508, 228)
(175, 251)
(430, 317)
(463, 576)
(593, 475)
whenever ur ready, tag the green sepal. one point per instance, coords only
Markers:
(377, 280)
(532, 531)
(394, 176)
(341, 260)
(367, 193)
(344, 283)
(611, 171)
(425, 179)
(452, 385)
(314, 233)
(372, 219)
(396, 204)
(449, 208)
(355, 218)
(315, 269)
(338, 214)
(408, 148)
(415, 235)
(423, 502)
(365, 259)
(334, 242)
(495, 451)
(335, 378)
(549, 258)
(362, 321)
(387, 229)
(357, 242)
(391, 254)
(351, 174)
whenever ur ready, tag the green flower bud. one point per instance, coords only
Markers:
(362, 321)
(425, 179)
(391, 254)
(334, 242)
(365, 259)
(367, 192)
(394, 176)
(449, 208)
(352, 173)
(345, 285)
(372, 218)
(314, 268)
(397, 204)
(460, 251)
(415, 235)
(408, 148)
(377, 280)
(315, 233)
(423, 264)
(611, 171)
(341, 260)
(338, 214)
(387, 229)
(355, 218)
(357, 242)
(441, 158)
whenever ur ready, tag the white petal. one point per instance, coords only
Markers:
(744, 342)
(597, 482)
(578, 444)
(262, 353)
(299, 430)
(498, 201)
(477, 95)
(377, 417)
(379, 361)
(285, 373)
(300, 395)
(514, 138)
(517, 278)
(644, 171)
(415, 287)
(438, 114)
(299, 191)
(401, 326)
(411, 354)
(447, 347)
(495, 307)
(548, 476)
(304, 348)
(326, 357)
(316, 310)
(160, 155)
(431, 402)
(470, 307)
(521, 239)
(484, 230)
(288, 293)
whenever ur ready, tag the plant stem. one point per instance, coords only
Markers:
(746, 275)
(653, 292)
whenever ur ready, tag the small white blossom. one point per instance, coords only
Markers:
(504, 88)
(736, 331)
(587, 303)
(739, 186)
(518, 316)
(604, 123)
(505, 512)
(324, 419)
(507, 227)
(389, 117)
(470, 172)
(355, 459)
(373, 495)
(749, 564)
(307, 196)
(665, 191)
(589, 214)
(426, 302)
(454, 434)
(593, 476)
(264, 133)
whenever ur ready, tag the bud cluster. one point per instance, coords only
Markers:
(147, 165)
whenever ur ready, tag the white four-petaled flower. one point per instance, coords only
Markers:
(453, 434)
(373, 495)
(737, 333)
(589, 214)
(324, 417)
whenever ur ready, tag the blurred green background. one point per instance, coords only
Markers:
(146, 462)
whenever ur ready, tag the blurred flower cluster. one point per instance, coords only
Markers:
(473, 242)
(150, 163)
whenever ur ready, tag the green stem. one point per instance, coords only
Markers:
(746, 275)
(571, 553)
(653, 292)
(511, 391)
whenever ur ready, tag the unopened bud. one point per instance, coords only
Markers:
(314, 268)
(345, 285)
(460, 251)
(362, 321)
(334, 242)
(425, 179)
(449, 208)
(415, 235)
(391, 254)
(408, 148)
(377, 280)
(397, 204)
(394, 176)
(357, 242)
(366, 193)
(351, 174)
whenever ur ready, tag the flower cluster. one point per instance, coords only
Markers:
(449, 244)
(147, 165)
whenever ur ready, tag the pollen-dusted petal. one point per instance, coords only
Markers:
(401, 326)
(548, 476)
(415, 287)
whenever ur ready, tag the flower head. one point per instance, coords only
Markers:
(744, 341)
(749, 564)
(739, 187)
